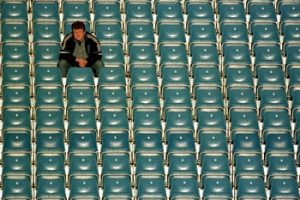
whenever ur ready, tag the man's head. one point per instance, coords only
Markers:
(78, 30)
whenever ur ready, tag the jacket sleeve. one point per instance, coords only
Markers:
(95, 51)
(66, 51)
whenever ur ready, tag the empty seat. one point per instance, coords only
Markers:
(82, 119)
(145, 97)
(106, 11)
(273, 98)
(173, 54)
(15, 75)
(48, 76)
(83, 163)
(290, 35)
(238, 76)
(212, 141)
(205, 76)
(149, 163)
(46, 31)
(231, 11)
(16, 186)
(211, 119)
(142, 54)
(117, 187)
(80, 77)
(84, 186)
(112, 96)
(115, 163)
(261, 11)
(264, 33)
(202, 32)
(112, 54)
(16, 163)
(14, 10)
(178, 119)
(14, 31)
(217, 187)
(16, 96)
(50, 163)
(49, 97)
(112, 141)
(45, 10)
(246, 142)
(143, 75)
(233, 32)
(108, 32)
(16, 141)
(151, 186)
(236, 54)
(50, 141)
(138, 11)
(289, 13)
(144, 118)
(199, 11)
(208, 97)
(15, 53)
(180, 141)
(111, 76)
(50, 186)
(168, 11)
(251, 187)
(140, 32)
(46, 53)
(50, 119)
(292, 57)
(205, 55)
(243, 120)
(148, 141)
(184, 187)
(267, 54)
(80, 97)
(170, 32)
(173, 76)
(176, 97)
(113, 119)
(284, 187)
(16, 118)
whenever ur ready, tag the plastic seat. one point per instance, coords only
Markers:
(143, 75)
(243, 120)
(115, 163)
(291, 35)
(202, 32)
(151, 187)
(117, 187)
(206, 76)
(246, 142)
(284, 188)
(238, 54)
(47, 76)
(204, 55)
(14, 10)
(273, 98)
(234, 32)
(46, 53)
(173, 76)
(16, 141)
(238, 76)
(113, 119)
(176, 97)
(184, 187)
(231, 11)
(76, 10)
(50, 119)
(49, 97)
(289, 13)
(142, 54)
(82, 141)
(15, 53)
(217, 187)
(212, 141)
(145, 97)
(50, 187)
(199, 11)
(149, 163)
(180, 141)
(251, 187)
(267, 54)
(45, 10)
(173, 54)
(15, 75)
(168, 11)
(293, 83)
(108, 32)
(292, 58)
(214, 164)
(16, 163)
(80, 77)
(138, 11)
(111, 76)
(50, 141)
(14, 31)
(211, 119)
(112, 96)
(140, 32)
(112, 54)
(114, 140)
(106, 11)
(84, 187)
(83, 163)
(208, 97)
(276, 120)
(144, 118)
(16, 186)
(80, 97)
(148, 141)
(82, 119)
(170, 32)
(264, 33)
(50, 163)
(16, 118)
(46, 31)
(16, 97)
(261, 12)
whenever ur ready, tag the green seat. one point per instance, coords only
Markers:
(82, 141)
(178, 119)
(108, 31)
(243, 120)
(82, 119)
(173, 54)
(16, 186)
(45, 10)
(273, 98)
(251, 187)
(117, 187)
(205, 55)
(284, 187)
(50, 186)
(140, 32)
(148, 141)
(14, 31)
(205, 76)
(84, 186)
(197, 11)
(217, 187)
(80, 77)
(112, 54)
(16, 141)
(14, 10)
(48, 76)
(148, 119)
(261, 11)
(80, 97)
(16, 163)
(184, 187)
(141, 54)
(50, 141)
(208, 97)
(50, 119)
(15, 75)
(46, 53)
(16, 118)
(149, 163)
(16, 96)
(111, 76)
(145, 97)
(112, 97)
(83, 163)
(151, 186)
(50, 163)
(113, 119)
(115, 163)
(172, 76)
(211, 119)
(168, 11)
(231, 11)
(180, 141)
(49, 97)
(107, 11)
(238, 76)
(46, 31)
(267, 54)
(236, 54)
(176, 97)
(234, 32)
(138, 11)
(246, 142)
(17, 53)
(143, 75)
(114, 140)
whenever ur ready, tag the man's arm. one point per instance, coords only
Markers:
(66, 51)
(95, 51)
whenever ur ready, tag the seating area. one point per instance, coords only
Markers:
(197, 99)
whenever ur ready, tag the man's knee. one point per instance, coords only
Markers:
(64, 66)
(96, 67)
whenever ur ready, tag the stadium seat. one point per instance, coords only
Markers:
(250, 187)
(16, 141)
(243, 120)
(170, 33)
(52, 118)
(82, 119)
(80, 77)
(236, 54)
(117, 187)
(50, 163)
(45, 53)
(16, 163)
(115, 163)
(143, 75)
(106, 11)
(112, 97)
(217, 187)
(45, 10)
(112, 54)
(176, 97)
(15, 53)
(149, 163)
(15, 74)
(46, 31)
(208, 97)
(205, 55)
(261, 11)
(14, 31)
(50, 141)
(267, 54)
(234, 32)
(238, 76)
(141, 54)
(148, 141)
(113, 119)
(16, 97)
(14, 10)
(144, 96)
(17, 118)
(178, 119)
(80, 97)
(199, 11)
(138, 11)
(145, 118)
(246, 142)
(173, 54)
(180, 141)
(205, 76)
(84, 186)
(108, 32)
(284, 187)
(151, 186)
(112, 141)
(140, 32)
(50, 187)
(111, 76)
(49, 97)
(211, 119)
(168, 11)
(184, 187)
(82, 163)
(272, 98)
(16, 186)
(231, 11)
(202, 32)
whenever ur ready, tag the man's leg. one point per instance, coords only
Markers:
(96, 67)
(64, 66)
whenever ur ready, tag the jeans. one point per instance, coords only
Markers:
(65, 65)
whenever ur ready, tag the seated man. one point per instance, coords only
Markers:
(80, 49)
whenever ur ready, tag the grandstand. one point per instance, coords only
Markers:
(197, 99)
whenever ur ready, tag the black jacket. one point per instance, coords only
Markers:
(92, 48)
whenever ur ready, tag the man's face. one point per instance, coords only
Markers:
(78, 34)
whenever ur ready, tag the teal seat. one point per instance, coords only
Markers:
(284, 187)
(211, 119)
(49, 97)
(112, 97)
(16, 141)
(114, 140)
(112, 54)
(14, 31)
(261, 11)
(205, 55)
(143, 75)
(140, 32)
(16, 118)
(82, 141)
(202, 32)
(264, 33)
(46, 53)
(117, 187)
(107, 11)
(172, 76)
(48, 76)
(243, 120)
(145, 97)
(217, 188)
(184, 187)
(16, 97)
(273, 98)
(46, 31)
(180, 141)
(238, 76)
(206, 76)
(176, 97)
(138, 11)
(115, 163)
(111, 76)
(246, 142)
(173, 54)
(84, 187)
(198, 11)
(50, 119)
(50, 141)
(208, 97)
(108, 32)
(76, 10)
(50, 163)
(289, 13)
(149, 163)
(16, 186)
(267, 54)
(17, 53)
(15, 75)
(80, 97)
(290, 35)
(231, 11)
(251, 187)
(142, 54)
(14, 10)
(292, 58)
(234, 32)
(236, 54)
(151, 186)
(80, 77)
(82, 119)
(45, 10)
(148, 141)
(168, 11)
(16, 163)
(113, 119)
(145, 118)
(50, 186)
(83, 163)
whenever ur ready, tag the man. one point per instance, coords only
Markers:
(80, 49)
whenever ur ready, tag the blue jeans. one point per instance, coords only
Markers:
(65, 65)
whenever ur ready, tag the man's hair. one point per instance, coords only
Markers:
(78, 25)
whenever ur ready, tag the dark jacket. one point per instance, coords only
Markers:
(92, 48)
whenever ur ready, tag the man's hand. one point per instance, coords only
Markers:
(81, 62)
